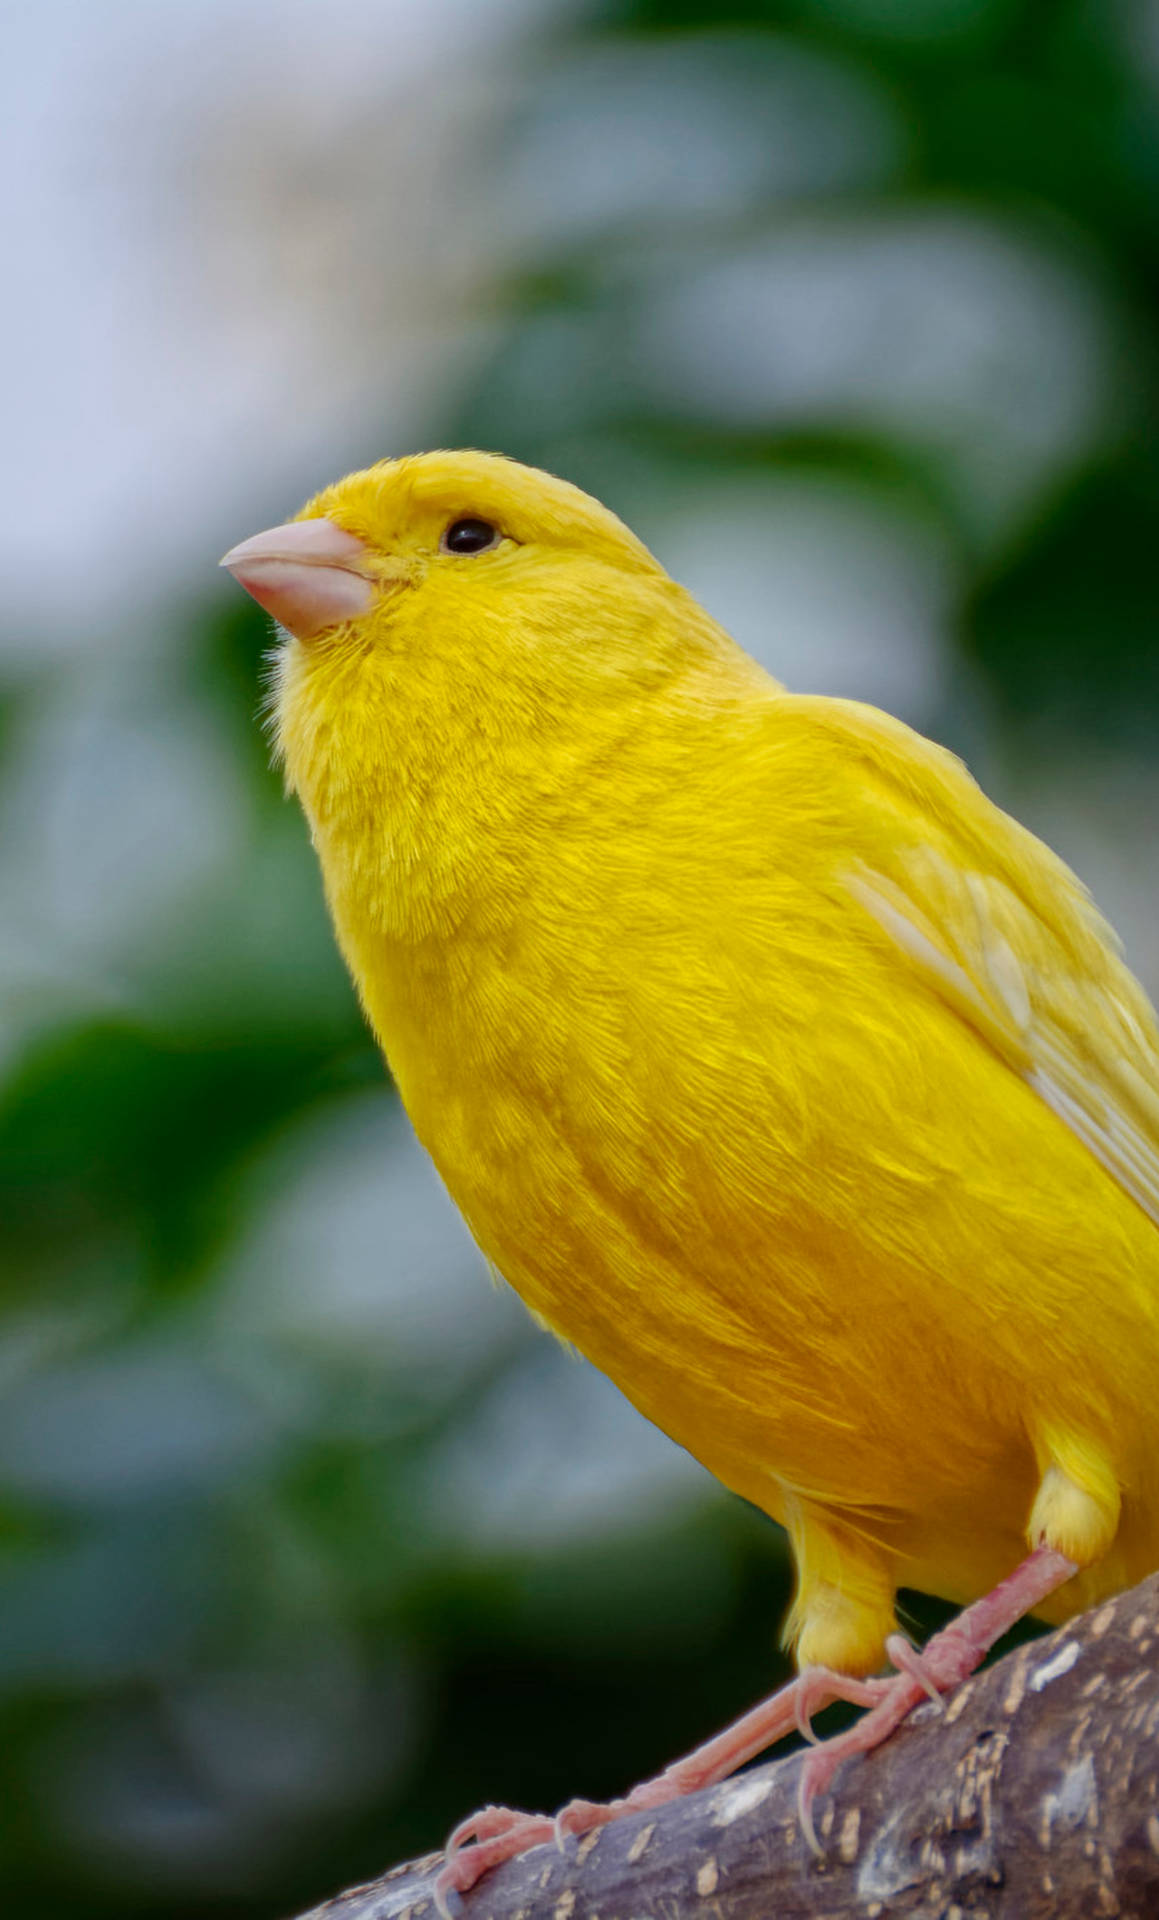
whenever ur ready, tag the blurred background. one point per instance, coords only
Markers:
(308, 1542)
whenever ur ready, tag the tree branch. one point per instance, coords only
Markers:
(1034, 1794)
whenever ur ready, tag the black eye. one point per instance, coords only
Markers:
(470, 536)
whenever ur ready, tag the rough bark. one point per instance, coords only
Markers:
(1035, 1793)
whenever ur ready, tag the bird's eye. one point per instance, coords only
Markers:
(470, 536)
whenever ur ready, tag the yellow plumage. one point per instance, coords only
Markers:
(776, 1068)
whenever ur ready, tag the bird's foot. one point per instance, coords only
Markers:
(945, 1661)
(495, 1834)
(484, 1840)
(897, 1698)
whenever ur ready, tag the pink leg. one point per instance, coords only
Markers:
(499, 1833)
(946, 1660)
(789, 1710)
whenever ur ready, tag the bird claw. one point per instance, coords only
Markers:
(889, 1702)
(819, 1687)
(484, 1840)
(805, 1799)
(908, 1660)
(487, 1823)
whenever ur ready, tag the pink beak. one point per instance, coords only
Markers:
(309, 575)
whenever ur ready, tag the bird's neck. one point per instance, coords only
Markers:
(445, 872)
(443, 840)
(470, 814)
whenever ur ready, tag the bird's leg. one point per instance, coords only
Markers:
(500, 1833)
(945, 1661)
(496, 1834)
(789, 1710)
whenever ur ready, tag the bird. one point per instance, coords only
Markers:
(778, 1070)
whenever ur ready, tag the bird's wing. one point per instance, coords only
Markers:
(1002, 930)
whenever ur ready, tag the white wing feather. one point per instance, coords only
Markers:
(1053, 1000)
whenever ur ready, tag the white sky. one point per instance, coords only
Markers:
(213, 220)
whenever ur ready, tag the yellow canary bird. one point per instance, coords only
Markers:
(779, 1071)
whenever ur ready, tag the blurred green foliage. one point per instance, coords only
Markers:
(260, 1629)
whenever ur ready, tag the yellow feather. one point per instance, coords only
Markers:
(773, 1065)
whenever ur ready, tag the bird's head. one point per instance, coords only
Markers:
(442, 588)
(460, 632)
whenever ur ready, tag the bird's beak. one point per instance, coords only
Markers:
(309, 575)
